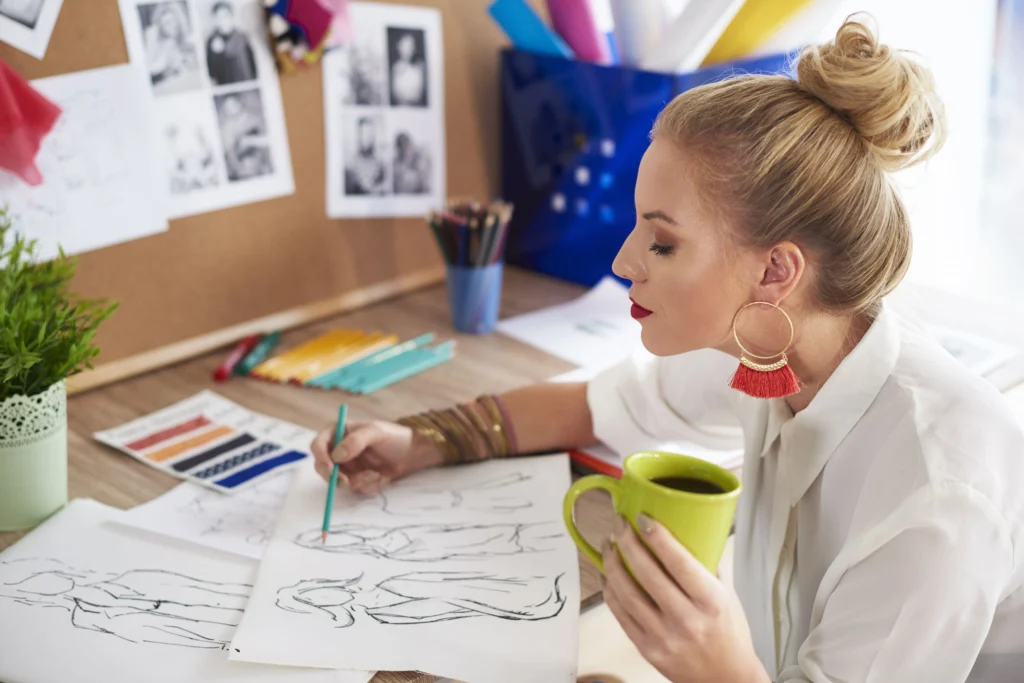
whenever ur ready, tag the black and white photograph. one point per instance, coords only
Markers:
(228, 44)
(243, 133)
(411, 169)
(384, 115)
(25, 12)
(28, 24)
(221, 125)
(192, 148)
(169, 40)
(407, 67)
(361, 70)
(366, 156)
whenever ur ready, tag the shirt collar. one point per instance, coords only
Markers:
(812, 435)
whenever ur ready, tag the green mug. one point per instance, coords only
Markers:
(693, 498)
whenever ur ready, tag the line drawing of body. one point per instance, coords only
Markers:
(404, 499)
(138, 606)
(434, 542)
(251, 514)
(426, 598)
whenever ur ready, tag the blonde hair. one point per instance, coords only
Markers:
(807, 160)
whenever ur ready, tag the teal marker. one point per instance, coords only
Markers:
(258, 354)
(339, 433)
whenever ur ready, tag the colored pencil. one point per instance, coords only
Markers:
(339, 433)
(471, 235)
(225, 369)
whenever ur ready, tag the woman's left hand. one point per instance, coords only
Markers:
(683, 620)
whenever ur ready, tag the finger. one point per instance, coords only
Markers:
(321, 447)
(325, 470)
(636, 602)
(695, 580)
(649, 573)
(633, 630)
(356, 442)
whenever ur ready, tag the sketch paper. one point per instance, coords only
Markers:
(594, 331)
(220, 127)
(28, 24)
(211, 441)
(100, 185)
(240, 524)
(384, 114)
(88, 601)
(457, 572)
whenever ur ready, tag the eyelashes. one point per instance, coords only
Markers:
(660, 249)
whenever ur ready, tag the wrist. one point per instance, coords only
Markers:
(424, 452)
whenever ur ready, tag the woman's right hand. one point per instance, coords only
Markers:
(372, 454)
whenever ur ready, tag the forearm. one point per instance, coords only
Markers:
(549, 416)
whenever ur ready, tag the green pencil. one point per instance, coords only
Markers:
(339, 432)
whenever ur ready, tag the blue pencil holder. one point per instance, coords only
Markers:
(475, 297)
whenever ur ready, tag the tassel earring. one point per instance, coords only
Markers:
(764, 380)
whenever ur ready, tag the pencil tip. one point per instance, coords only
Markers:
(323, 537)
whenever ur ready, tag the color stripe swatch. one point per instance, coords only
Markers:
(212, 441)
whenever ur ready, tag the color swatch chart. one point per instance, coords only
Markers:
(212, 441)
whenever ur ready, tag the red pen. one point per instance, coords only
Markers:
(239, 352)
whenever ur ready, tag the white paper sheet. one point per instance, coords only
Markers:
(87, 601)
(241, 524)
(220, 121)
(100, 184)
(28, 24)
(212, 441)
(384, 114)
(466, 573)
(593, 331)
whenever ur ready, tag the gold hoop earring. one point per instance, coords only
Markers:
(764, 380)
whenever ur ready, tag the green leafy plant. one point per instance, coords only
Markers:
(45, 333)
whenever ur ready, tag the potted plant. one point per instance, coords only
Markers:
(45, 336)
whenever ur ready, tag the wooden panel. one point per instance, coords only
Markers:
(225, 269)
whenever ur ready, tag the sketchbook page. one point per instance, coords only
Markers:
(87, 601)
(457, 572)
(384, 114)
(219, 127)
(213, 442)
(99, 184)
(593, 331)
(28, 24)
(239, 524)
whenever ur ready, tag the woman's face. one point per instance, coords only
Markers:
(689, 276)
(406, 47)
(169, 24)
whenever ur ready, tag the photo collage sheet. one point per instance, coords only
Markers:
(384, 114)
(221, 128)
(28, 24)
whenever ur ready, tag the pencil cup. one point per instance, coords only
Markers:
(475, 297)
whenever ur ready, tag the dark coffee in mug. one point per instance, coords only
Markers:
(688, 484)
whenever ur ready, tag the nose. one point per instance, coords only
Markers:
(629, 262)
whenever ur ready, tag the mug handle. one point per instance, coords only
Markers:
(593, 481)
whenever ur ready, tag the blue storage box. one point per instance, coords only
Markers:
(572, 135)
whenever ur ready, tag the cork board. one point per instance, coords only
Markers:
(216, 276)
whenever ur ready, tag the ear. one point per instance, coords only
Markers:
(784, 266)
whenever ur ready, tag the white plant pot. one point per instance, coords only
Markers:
(33, 457)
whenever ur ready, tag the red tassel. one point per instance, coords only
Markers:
(759, 384)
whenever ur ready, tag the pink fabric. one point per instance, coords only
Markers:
(313, 17)
(25, 118)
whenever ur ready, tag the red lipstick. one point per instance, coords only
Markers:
(638, 311)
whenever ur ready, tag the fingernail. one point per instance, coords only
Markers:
(371, 476)
(645, 523)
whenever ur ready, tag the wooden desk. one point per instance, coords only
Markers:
(490, 364)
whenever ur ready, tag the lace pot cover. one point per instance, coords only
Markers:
(28, 419)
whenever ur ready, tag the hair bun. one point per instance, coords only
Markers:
(887, 96)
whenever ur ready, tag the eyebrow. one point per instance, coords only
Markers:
(659, 216)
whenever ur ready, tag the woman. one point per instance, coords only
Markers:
(880, 533)
(408, 74)
(170, 53)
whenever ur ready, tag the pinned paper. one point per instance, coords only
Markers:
(25, 118)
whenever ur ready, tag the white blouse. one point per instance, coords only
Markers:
(880, 532)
